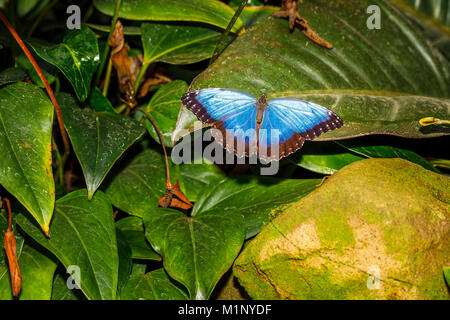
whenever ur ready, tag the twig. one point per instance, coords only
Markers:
(106, 50)
(168, 184)
(222, 40)
(45, 82)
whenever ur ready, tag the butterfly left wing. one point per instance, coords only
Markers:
(227, 110)
(296, 121)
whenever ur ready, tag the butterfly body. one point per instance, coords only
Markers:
(278, 127)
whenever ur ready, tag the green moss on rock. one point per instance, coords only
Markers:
(377, 229)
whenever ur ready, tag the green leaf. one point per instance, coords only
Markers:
(137, 187)
(77, 58)
(177, 44)
(37, 268)
(62, 292)
(446, 271)
(255, 197)
(438, 10)
(385, 151)
(12, 75)
(211, 12)
(164, 107)
(251, 14)
(26, 119)
(323, 157)
(98, 139)
(198, 250)
(376, 81)
(83, 235)
(99, 103)
(155, 285)
(132, 231)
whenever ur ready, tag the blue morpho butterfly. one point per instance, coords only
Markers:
(233, 113)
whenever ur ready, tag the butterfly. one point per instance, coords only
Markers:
(278, 127)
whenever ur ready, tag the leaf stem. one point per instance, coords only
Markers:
(106, 49)
(222, 40)
(140, 76)
(107, 78)
(45, 82)
(168, 184)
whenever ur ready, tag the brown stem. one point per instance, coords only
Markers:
(45, 82)
(168, 184)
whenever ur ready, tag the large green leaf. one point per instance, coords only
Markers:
(198, 250)
(83, 235)
(77, 58)
(254, 197)
(378, 81)
(206, 11)
(178, 44)
(132, 231)
(26, 119)
(37, 268)
(164, 107)
(155, 285)
(137, 187)
(98, 139)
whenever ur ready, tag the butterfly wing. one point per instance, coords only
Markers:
(226, 109)
(296, 121)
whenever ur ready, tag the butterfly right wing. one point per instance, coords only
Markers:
(227, 110)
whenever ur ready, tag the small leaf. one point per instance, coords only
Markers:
(385, 151)
(99, 103)
(125, 260)
(323, 157)
(83, 235)
(25, 63)
(211, 12)
(77, 58)
(177, 44)
(155, 285)
(164, 107)
(26, 116)
(98, 139)
(132, 230)
(198, 250)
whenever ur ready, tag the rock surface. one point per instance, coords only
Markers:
(377, 229)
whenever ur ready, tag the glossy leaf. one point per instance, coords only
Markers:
(385, 151)
(37, 269)
(137, 187)
(77, 58)
(26, 116)
(83, 235)
(256, 198)
(177, 44)
(198, 250)
(132, 230)
(12, 75)
(98, 139)
(206, 11)
(164, 107)
(155, 285)
(377, 82)
(323, 157)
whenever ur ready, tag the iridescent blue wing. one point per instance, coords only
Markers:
(296, 121)
(226, 110)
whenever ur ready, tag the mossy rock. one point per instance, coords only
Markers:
(377, 229)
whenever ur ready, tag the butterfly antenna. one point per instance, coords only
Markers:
(168, 184)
